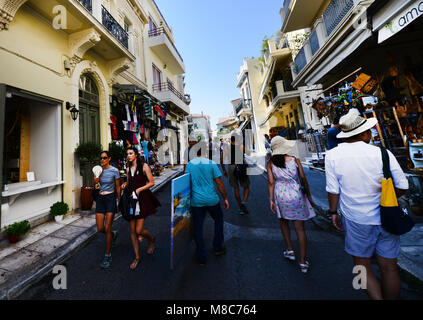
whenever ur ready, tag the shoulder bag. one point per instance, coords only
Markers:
(394, 219)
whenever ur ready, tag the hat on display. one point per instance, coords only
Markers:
(353, 124)
(281, 145)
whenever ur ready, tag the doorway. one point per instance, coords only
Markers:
(89, 118)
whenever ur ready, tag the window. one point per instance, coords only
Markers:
(157, 78)
(152, 25)
(31, 139)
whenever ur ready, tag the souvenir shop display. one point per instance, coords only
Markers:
(136, 118)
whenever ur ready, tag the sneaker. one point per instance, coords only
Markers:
(220, 252)
(106, 261)
(115, 235)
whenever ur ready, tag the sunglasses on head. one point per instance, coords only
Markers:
(104, 158)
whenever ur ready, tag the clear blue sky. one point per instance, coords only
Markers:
(213, 36)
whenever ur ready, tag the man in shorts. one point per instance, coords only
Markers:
(354, 170)
(233, 155)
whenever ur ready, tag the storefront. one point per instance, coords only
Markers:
(139, 119)
(383, 78)
(31, 165)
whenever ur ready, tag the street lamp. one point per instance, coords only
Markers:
(73, 110)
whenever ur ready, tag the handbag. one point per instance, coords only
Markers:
(303, 187)
(394, 219)
(96, 193)
(125, 204)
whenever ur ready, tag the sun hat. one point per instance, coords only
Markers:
(281, 145)
(353, 124)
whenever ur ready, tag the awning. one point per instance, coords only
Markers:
(265, 83)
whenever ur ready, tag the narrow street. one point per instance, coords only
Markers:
(253, 267)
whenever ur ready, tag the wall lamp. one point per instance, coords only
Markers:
(73, 110)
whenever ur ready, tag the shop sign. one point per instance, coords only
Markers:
(403, 19)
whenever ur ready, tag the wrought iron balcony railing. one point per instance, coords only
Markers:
(157, 32)
(167, 86)
(114, 27)
(335, 12)
(300, 60)
(239, 107)
(314, 42)
(87, 4)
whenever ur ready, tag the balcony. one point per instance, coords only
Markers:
(85, 28)
(335, 12)
(243, 109)
(299, 14)
(87, 5)
(114, 27)
(300, 60)
(332, 39)
(283, 92)
(166, 92)
(163, 46)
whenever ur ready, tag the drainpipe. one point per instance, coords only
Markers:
(2, 114)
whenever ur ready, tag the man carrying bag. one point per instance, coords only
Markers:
(354, 175)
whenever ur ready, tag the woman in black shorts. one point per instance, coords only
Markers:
(140, 180)
(106, 204)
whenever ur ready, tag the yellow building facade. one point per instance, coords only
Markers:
(56, 55)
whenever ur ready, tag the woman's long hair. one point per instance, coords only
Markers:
(279, 161)
(140, 160)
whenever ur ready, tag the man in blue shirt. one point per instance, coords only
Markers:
(332, 140)
(203, 173)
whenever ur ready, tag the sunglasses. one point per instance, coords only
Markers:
(104, 158)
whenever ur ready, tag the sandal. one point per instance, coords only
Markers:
(134, 264)
(289, 255)
(151, 246)
(304, 267)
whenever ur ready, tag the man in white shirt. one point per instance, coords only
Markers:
(354, 171)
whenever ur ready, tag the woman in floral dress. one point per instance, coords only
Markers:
(289, 196)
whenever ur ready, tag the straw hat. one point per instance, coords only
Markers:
(353, 124)
(281, 145)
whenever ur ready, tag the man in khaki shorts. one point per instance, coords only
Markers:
(233, 155)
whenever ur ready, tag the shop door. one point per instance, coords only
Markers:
(89, 119)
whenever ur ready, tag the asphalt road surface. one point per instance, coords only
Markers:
(253, 267)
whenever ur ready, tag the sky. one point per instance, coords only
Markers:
(213, 36)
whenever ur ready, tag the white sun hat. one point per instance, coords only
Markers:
(353, 124)
(281, 145)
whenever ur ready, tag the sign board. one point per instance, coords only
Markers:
(180, 215)
(401, 20)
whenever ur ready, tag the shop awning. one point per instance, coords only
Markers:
(266, 82)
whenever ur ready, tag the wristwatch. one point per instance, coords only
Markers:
(332, 213)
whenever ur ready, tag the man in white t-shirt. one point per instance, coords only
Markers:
(354, 171)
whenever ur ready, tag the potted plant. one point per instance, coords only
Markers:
(58, 210)
(16, 230)
(88, 154)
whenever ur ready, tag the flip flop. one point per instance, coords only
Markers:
(151, 246)
(134, 264)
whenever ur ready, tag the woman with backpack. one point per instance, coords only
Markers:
(289, 196)
(144, 202)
